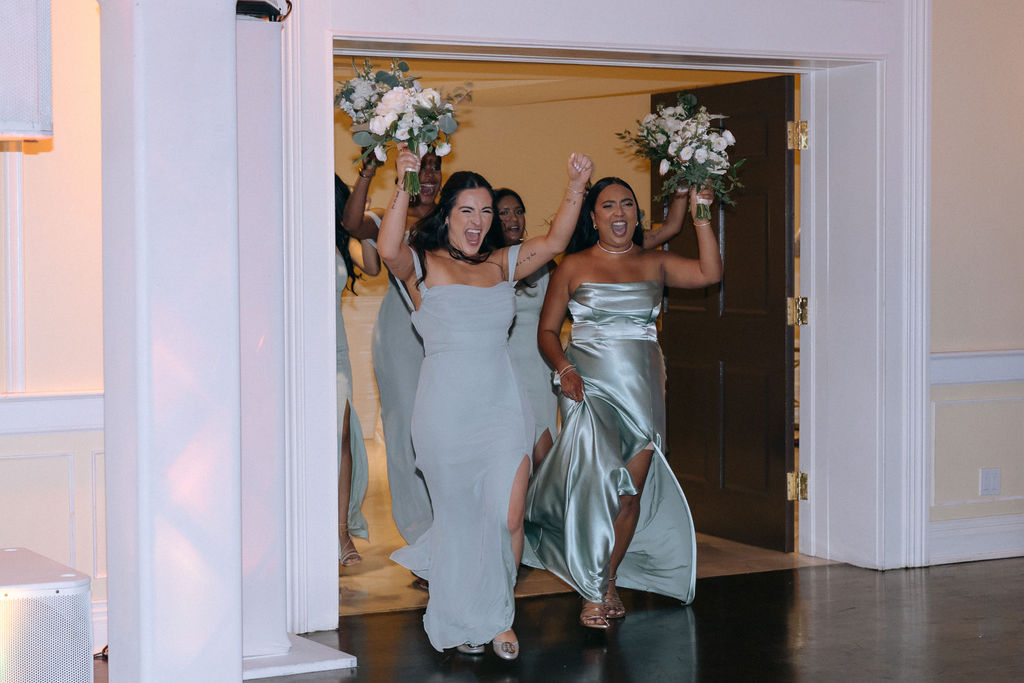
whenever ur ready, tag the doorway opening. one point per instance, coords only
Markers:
(523, 118)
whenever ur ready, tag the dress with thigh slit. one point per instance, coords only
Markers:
(472, 427)
(573, 498)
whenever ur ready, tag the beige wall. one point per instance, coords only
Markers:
(977, 172)
(62, 227)
(977, 283)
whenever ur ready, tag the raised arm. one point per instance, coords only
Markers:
(536, 251)
(704, 270)
(362, 226)
(364, 255)
(391, 240)
(673, 224)
(552, 315)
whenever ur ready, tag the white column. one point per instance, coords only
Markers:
(171, 340)
(261, 290)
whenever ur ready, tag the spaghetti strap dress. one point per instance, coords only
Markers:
(473, 427)
(573, 498)
(533, 370)
(360, 467)
(397, 355)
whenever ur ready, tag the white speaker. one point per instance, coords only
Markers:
(45, 620)
(26, 102)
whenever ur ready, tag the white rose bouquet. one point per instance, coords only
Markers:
(689, 150)
(388, 107)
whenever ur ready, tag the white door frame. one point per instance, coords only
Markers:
(864, 265)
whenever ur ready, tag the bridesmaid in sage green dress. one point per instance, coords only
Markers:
(604, 509)
(472, 424)
(353, 469)
(397, 355)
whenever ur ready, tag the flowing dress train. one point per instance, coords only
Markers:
(573, 498)
(473, 428)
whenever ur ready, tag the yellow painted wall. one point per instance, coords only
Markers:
(62, 216)
(977, 282)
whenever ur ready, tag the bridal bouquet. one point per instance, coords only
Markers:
(388, 107)
(689, 150)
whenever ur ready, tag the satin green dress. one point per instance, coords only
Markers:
(573, 497)
(360, 466)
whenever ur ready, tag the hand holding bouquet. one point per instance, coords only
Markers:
(689, 150)
(388, 107)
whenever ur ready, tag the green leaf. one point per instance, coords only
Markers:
(447, 124)
(403, 67)
(364, 138)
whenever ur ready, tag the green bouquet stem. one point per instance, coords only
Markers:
(411, 182)
(703, 212)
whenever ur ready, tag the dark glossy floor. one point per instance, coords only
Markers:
(960, 622)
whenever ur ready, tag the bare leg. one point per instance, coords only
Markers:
(625, 526)
(349, 556)
(516, 510)
(541, 448)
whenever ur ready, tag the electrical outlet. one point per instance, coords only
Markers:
(990, 481)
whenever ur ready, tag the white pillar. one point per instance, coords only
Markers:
(171, 340)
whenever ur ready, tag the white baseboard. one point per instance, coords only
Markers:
(983, 538)
(306, 656)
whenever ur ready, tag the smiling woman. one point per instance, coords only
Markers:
(472, 424)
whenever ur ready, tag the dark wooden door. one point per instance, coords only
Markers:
(728, 348)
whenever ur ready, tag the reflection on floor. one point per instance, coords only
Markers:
(379, 585)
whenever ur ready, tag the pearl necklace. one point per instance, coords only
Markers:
(611, 251)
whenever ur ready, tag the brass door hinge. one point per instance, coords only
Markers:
(796, 486)
(796, 135)
(796, 310)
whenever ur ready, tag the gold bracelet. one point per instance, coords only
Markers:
(702, 224)
(576, 191)
(566, 369)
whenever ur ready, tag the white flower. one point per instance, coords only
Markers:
(718, 143)
(379, 152)
(380, 124)
(673, 149)
(394, 101)
(402, 132)
(700, 155)
(665, 165)
(423, 149)
(686, 153)
(729, 139)
(428, 99)
(442, 149)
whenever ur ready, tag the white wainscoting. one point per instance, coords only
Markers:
(52, 485)
(970, 527)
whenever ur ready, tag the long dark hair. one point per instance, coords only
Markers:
(341, 236)
(431, 231)
(585, 235)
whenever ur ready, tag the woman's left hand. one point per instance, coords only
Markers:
(705, 196)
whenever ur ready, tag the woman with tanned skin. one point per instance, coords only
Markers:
(604, 509)
(472, 424)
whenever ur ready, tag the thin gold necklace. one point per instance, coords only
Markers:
(610, 251)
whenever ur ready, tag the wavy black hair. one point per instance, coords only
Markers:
(585, 235)
(341, 236)
(431, 231)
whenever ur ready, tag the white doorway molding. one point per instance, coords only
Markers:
(865, 93)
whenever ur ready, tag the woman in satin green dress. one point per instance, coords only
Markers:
(604, 509)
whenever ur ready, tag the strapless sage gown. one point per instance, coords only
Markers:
(473, 428)
(360, 467)
(573, 497)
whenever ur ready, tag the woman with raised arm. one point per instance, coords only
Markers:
(397, 354)
(472, 425)
(531, 366)
(604, 509)
(353, 469)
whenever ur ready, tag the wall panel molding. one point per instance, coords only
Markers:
(12, 270)
(41, 413)
(977, 367)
